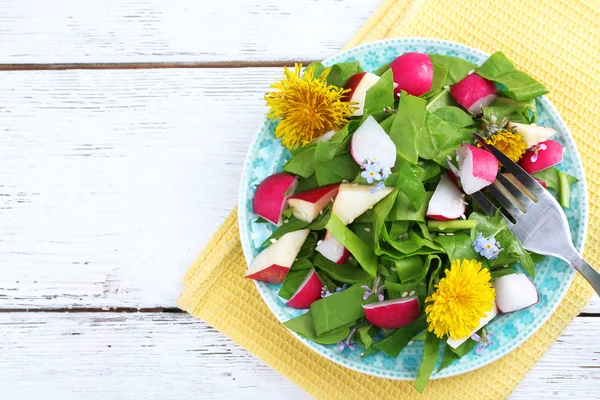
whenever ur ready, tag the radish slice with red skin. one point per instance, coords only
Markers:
(413, 72)
(358, 85)
(542, 156)
(370, 142)
(393, 314)
(308, 292)
(474, 92)
(270, 199)
(478, 168)
(515, 292)
(447, 202)
(332, 250)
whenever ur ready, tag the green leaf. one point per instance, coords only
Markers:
(339, 309)
(336, 170)
(318, 68)
(341, 72)
(410, 268)
(439, 139)
(362, 252)
(305, 184)
(411, 186)
(406, 125)
(458, 246)
(501, 272)
(404, 210)
(503, 108)
(457, 68)
(438, 265)
(440, 73)
(401, 287)
(380, 213)
(381, 70)
(560, 182)
(303, 163)
(442, 99)
(455, 116)
(380, 95)
(451, 226)
(372, 350)
(430, 356)
(341, 272)
(466, 347)
(365, 335)
(387, 123)
(308, 248)
(292, 282)
(393, 344)
(451, 354)
(304, 326)
(427, 170)
(293, 225)
(519, 85)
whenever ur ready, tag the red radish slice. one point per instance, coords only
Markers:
(370, 142)
(309, 204)
(326, 137)
(515, 292)
(474, 92)
(273, 264)
(393, 314)
(541, 156)
(447, 202)
(453, 178)
(532, 134)
(333, 250)
(353, 199)
(308, 292)
(490, 315)
(478, 168)
(413, 72)
(270, 199)
(358, 85)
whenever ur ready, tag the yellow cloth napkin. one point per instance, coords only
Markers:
(556, 41)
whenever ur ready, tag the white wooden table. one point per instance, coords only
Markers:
(123, 128)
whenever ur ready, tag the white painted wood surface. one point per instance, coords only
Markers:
(125, 31)
(112, 181)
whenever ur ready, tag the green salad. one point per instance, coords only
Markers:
(377, 237)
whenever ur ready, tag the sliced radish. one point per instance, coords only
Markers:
(273, 264)
(358, 85)
(447, 202)
(453, 178)
(515, 292)
(309, 204)
(532, 134)
(413, 72)
(477, 168)
(370, 142)
(326, 137)
(474, 92)
(541, 156)
(352, 200)
(270, 199)
(333, 250)
(393, 314)
(490, 315)
(308, 292)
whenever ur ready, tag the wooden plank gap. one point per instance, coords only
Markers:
(152, 65)
(170, 310)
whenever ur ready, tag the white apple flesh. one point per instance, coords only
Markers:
(371, 143)
(270, 199)
(333, 250)
(358, 85)
(477, 168)
(308, 205)
(490, 315)
(532, 134)
(273, 263)
(352, 200)
(392, 314)
(515, 292)
(447, 202)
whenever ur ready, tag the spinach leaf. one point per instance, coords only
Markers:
(503, 108)
(466, 347)
(308, 248)
(303, 163)
(361, 251)
(292, 282)
(560, 182)
(519, 85)
(393, 344)
(387, 123)
(293, 225)
(451, 354)
(458, 69)
(412, 245)
(381, 70)
(339, 309)
(430, 356)
(304, 326)
(439, 139)
(458, 247)
(341, 272)
(410, 268)
(372, 350)
(440, 73)
(501, 272)
(340, 73)
(365, 334)
(411, 186)
(455, 116)
(318, 68)
(336, 170)
(380, 95)
(406, 125)
(427, 169)
(307, 183)
(380, 213)
(442, 99)
(404, 210)
(451, 226)
(400, 288)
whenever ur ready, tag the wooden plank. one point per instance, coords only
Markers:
(125, 31)
(174, 356)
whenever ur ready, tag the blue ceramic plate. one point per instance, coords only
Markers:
(267, 156)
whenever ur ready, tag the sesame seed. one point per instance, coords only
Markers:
(285, 221)
(394, 269)
(332, 199)
(471, 72)
(354, 184)
(273, 241)
(411, 342)
(463, 216)
(441, 234)
(449, 234)
(367, 230)
(399, 94)
(345, 181)
(446, 87)
(321, 212)
(412, 293)
(405, 294)
(449, 158)
(370, 208)
(319, 242)
(350, 258)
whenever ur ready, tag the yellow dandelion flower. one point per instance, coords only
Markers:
(461, 299)
(511, 144)
(306, 107)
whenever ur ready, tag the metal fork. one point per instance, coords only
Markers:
(540, 223)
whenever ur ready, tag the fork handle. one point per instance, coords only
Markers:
(589, 273)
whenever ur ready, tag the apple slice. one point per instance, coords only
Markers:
(477, 168)
(474, 92)
(393, 314)
(532, 134)
(413, 72)
(308, 292)
(307, 205)
(515, 292)
(333, 250)
(447, 202)
(542, 156)
(358, 85)
(270, 199)
(370, 142)
(353, 199)
(490, 315)
(273, 264)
